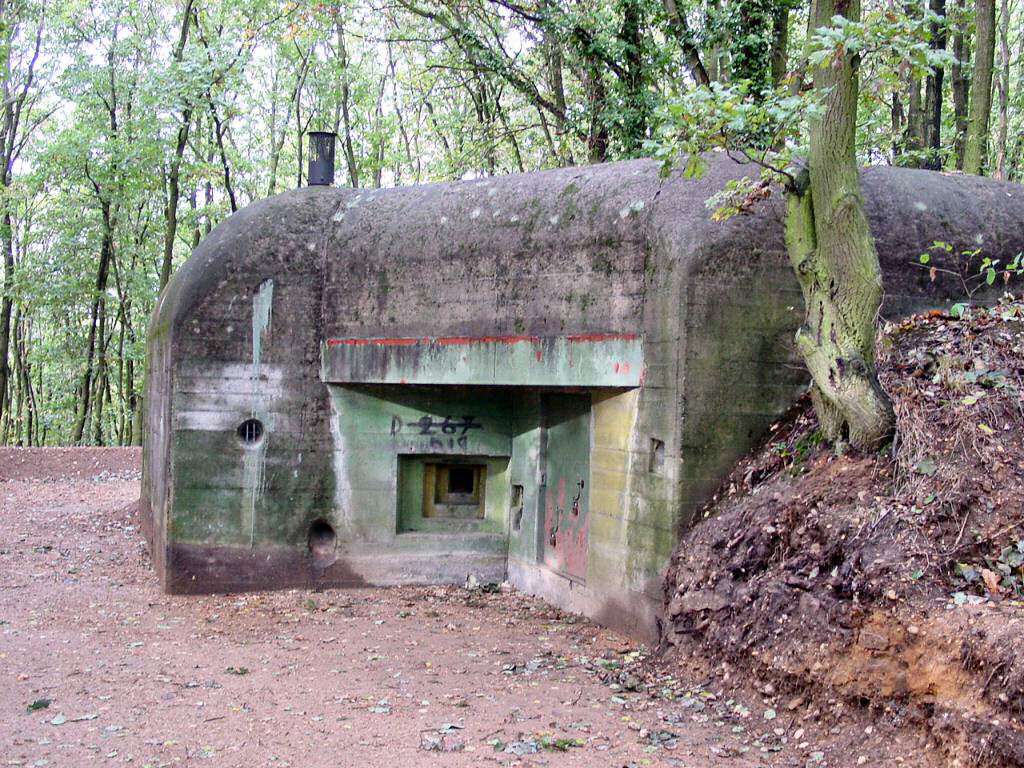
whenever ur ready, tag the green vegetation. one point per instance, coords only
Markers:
(129, 129)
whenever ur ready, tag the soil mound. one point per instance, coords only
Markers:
(893, 581)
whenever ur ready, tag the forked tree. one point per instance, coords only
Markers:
(834, 257)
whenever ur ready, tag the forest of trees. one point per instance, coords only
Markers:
(129, 128)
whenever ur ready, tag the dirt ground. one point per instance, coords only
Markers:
(97, 667)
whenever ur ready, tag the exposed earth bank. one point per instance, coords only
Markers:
(893, 582)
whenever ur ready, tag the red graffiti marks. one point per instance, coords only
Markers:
(565, 533)
(575, 555)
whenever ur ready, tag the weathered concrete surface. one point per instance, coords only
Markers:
(320, 313)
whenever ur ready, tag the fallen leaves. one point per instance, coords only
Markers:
(991, 580)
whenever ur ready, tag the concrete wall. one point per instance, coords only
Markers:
(328, 314)
(234, 336)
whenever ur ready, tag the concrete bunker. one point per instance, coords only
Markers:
(538, 377)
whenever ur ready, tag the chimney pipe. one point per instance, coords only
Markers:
(321, 158)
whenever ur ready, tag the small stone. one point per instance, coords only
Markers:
(873, 641)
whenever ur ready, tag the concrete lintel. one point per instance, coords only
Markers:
(569, 360)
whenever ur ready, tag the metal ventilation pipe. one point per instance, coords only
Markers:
(321, 158)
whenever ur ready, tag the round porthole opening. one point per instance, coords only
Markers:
(250, 431)
(322, 543)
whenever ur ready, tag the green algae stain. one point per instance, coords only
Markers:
(254, 457)
(262, 304)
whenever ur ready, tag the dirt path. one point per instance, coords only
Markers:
(396, 677)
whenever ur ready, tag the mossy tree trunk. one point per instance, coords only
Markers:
(833, 254)
(976, 145)
(1003, 89)
(961, 84)
(933, 92)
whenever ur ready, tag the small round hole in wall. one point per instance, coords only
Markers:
(323, 543)
(250, 431)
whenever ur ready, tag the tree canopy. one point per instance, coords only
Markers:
(129, 129)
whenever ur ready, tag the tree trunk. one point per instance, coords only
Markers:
(681, 30)
(933, 93)
(219, 128)
(780, 42)
(556, 85)
(1015, 162)
(30, 395)
(913, 135)
(597, 101)
(961, 83)
(100, 377)
(833, 254)
(896, 122)
(714, 55)
(174, 171)
(345, 107)
(17, 411)
(636, 115)
(132, 437)
(6, 305)
(102, 271)
(14, 93)
(1004, 90)
(511, 135)
(277, 138)
(976, 145)
(378, 136)
(751, 30)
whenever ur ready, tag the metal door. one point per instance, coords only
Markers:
(566, 492)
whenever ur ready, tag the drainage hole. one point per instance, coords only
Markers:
(250, 431)
(322, 542)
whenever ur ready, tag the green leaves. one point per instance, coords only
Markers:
(765, 128)
(999, 575)
(902, 40)
(926, 466)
